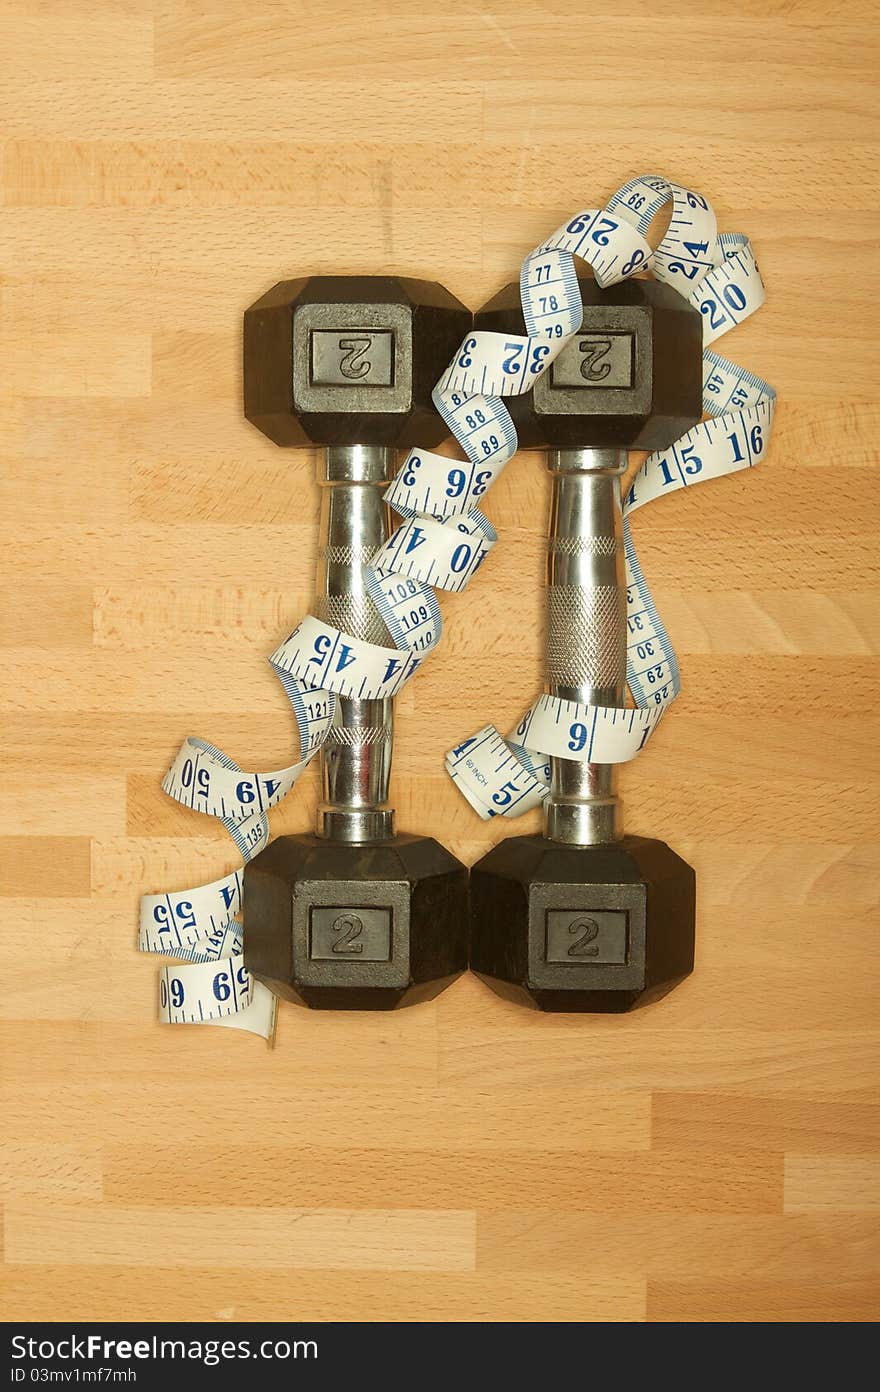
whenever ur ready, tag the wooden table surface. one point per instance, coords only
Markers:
(715, 1157)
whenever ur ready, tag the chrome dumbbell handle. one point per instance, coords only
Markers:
(586, 630)
(356, 756)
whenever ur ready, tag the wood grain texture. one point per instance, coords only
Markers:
(714, 1158)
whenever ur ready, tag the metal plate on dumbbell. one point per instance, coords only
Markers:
(608, 366)
(333, 918)
(609, 918)
(576, 936)
(358, 934)
(596, 360)
(352, 358)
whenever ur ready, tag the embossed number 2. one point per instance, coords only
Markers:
(355, 364)
(350, 927)
(592, 367)
(588, 929)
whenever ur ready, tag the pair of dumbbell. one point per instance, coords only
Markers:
(356, 916)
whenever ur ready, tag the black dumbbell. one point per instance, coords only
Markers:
(585, 918)
(353, 917)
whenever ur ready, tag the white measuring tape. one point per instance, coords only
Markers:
(200, 926)
(719, 276)
(441, 542)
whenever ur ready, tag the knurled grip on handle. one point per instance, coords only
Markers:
(583, 634)
(356, 756)
(351, 613)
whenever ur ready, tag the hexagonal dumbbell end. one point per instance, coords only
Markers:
(342, 360)
(631, 378)
(348, 927)
(582, 928)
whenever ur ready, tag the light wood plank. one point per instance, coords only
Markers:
(759, 1301)
(266, 172)
(611, 1182)
(675, 1245)
(228, 1236)
(162, 1293)
(832, 1183)
(803, 1124)
(51, 866)
(46, 1172)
